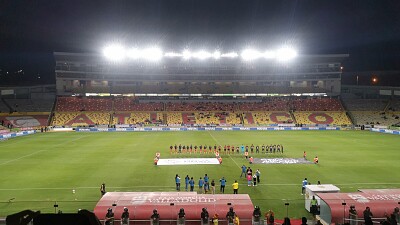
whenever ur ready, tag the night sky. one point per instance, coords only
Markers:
(31, 30)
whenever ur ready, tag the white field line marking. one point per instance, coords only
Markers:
(34, 153)
(220, 144)
(132, 187)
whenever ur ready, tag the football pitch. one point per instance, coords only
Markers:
(44, 168)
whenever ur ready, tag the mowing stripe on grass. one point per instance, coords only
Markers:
(220, 144)
(77, 188)
(37, 152)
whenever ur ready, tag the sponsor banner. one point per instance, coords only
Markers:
(281, 161)
(386, 131)
(188, 161)
(17, 134)
(93, 129)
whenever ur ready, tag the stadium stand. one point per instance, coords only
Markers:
(174, 118)
(376, 118)
(329, 118)
(23, 121)
(365, 104)
(268, 118)
(30, 105)
(3, 107)
(316, 104)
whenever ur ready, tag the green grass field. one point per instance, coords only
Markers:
(40, 169)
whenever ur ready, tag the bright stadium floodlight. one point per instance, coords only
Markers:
(230, 55)
(269, 54)
(216, 54)
(152, 54)
(186, 54)
(250, 54)
(114, 52)
(133, 53)
(202, 55)
(285, 54)
(172, 54)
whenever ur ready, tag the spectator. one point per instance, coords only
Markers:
(353, 215)
(367, 216)
(270, 217)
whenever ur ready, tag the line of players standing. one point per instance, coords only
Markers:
(227, 149)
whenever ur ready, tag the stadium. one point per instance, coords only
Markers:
(117, 118)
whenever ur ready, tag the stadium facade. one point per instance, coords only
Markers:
(306, 74)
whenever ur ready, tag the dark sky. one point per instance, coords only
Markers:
(30, 30)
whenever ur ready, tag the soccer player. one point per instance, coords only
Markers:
(210, 149)
(237, 150)
(184, 149)
(200, 148)
(262, 148)
(171, 149)
(316, 160)
(242, 149)
(305, 155)
(252, 148)
(205, 149)
(176, 148)
(233, 149)
(215, 148)
(303, 186)
(257, 149)
(180, 148)
(195, 149)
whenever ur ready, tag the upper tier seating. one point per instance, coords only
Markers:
(323, 104)
(31, 105)
(130, 104)
(74, 104)
(365, 104)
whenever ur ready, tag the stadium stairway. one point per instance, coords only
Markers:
(293, 117)
(249, 117)
(348, 113)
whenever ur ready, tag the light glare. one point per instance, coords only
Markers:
(152, 54)
(114, 52)
(285, 54)
(250, 54)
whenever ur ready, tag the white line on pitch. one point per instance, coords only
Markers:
(220, 153)
(132, 187)
(34, 153)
